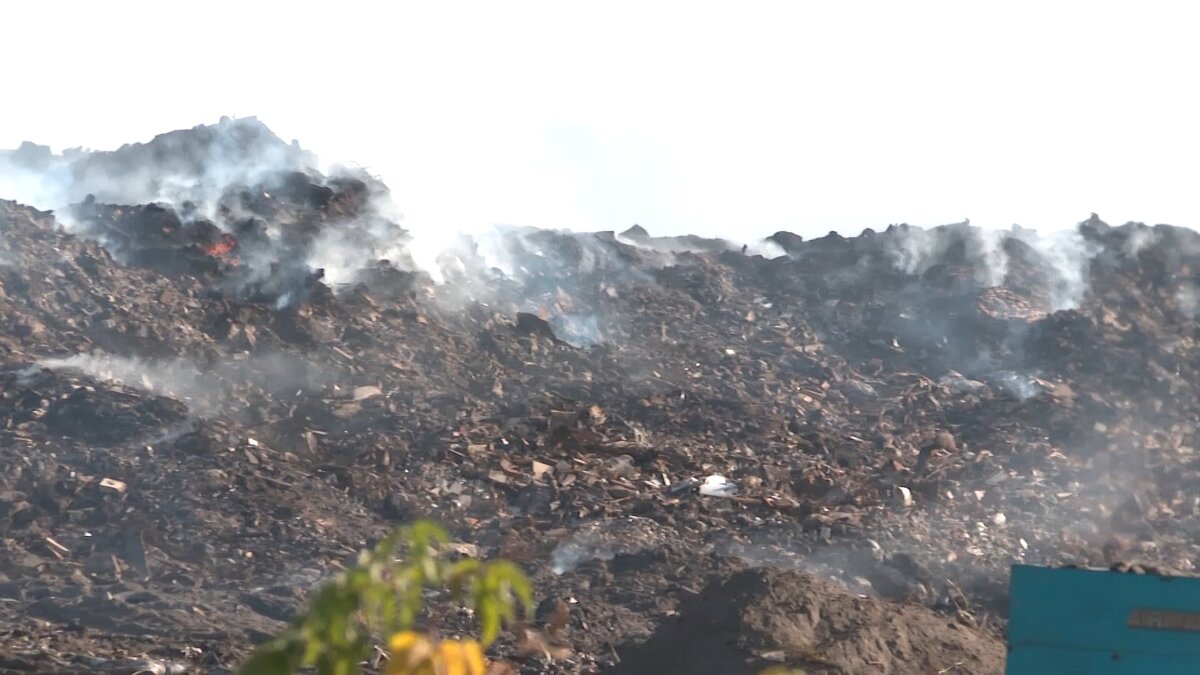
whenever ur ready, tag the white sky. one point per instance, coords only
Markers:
(726, 119)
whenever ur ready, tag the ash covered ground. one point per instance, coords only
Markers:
(225, 368)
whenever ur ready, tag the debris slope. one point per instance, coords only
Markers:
(211, 397)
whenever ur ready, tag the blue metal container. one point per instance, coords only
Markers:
(1072, 621)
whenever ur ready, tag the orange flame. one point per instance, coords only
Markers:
(222, 247)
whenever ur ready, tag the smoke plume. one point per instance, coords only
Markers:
(1062, 258)
(203, 389)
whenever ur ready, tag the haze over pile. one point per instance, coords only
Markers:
(684, 119)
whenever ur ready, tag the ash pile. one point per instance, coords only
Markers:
(223, 372)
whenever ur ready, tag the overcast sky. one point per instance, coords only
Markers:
(738, 118)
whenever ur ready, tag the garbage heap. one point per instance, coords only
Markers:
(709, 457)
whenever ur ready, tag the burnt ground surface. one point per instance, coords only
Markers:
(197, 427)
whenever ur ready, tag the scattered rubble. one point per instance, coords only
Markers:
(197, 426)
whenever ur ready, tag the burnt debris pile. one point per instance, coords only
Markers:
(228, 203)
(219, 382)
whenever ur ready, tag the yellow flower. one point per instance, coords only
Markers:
(410, 653)
(460, 658)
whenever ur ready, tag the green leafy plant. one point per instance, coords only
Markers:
(381, 597)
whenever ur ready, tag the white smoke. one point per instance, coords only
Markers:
(197, 171)
(605, 541)
(221, 173)
(203, 389)
(1187, 300)
(343, 251)
(915, 250)
(1068, 256)
(1065, 256)
(766, 248)
(176, 378)
(32, 175)
(1139, 239)
(669, 247)
(192, 165)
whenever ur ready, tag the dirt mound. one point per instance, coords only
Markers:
(206, 408)
(751, 619)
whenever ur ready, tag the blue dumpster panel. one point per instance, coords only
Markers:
(1064, 621)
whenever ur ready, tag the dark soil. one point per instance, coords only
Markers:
(744, 622)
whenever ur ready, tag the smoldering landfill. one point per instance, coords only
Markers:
(225, 368)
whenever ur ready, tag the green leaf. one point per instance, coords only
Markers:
(460, 576)
(410, 604)
(383, 595)
(389, 616)
(278, 657)
(508, 578)
(422, 536)
(488, 610)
